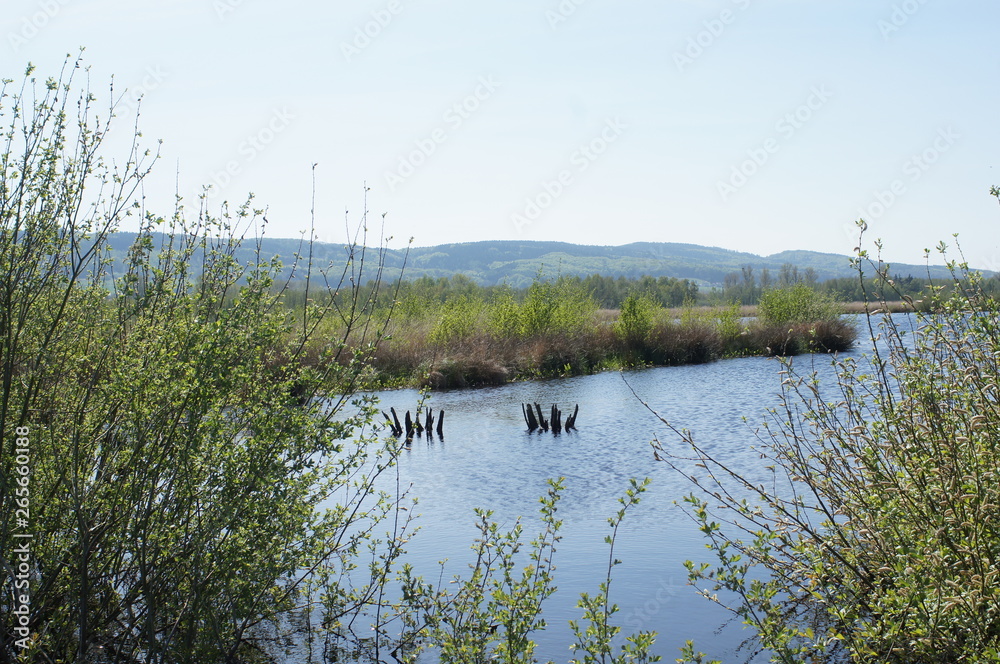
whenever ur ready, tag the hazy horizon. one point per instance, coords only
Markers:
(750, 125)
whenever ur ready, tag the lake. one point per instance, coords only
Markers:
(488, 459)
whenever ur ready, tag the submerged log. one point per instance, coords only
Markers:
(409, 426)
(429, 422)
(556, 417)
(440, 424)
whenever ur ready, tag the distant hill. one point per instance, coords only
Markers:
(517, 262)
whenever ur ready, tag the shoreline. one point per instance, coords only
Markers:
(483, 360)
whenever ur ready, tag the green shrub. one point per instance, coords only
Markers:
(504, 315)
(728, 322)
(794, 304)
(875, 538)
(460, 319)
(562, 307)
(492, 615)
(549, 307)
(635, 319)
(178, 452)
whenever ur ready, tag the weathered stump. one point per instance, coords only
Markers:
(398, 428)
(571, 420)
(542, 422)
(529, 417)
(412, 424)
(393, 425)
(535, 420)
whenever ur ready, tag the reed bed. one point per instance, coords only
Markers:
(415, 352)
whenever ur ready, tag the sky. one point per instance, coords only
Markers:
(752, 125)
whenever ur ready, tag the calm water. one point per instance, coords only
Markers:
(487, 459)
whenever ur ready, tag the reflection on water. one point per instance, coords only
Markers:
(487, 459)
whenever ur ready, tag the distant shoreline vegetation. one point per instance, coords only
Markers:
(451, 333)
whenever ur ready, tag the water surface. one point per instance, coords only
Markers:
(488, 459)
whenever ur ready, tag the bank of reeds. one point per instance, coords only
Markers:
(558, 331)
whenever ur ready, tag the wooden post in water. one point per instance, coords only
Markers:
(440, 424)
(395, 418)
(542, 422)
(571, 420)
(534, 418)
(392, 426)
(529, 417)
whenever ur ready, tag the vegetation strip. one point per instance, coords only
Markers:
(554, 328)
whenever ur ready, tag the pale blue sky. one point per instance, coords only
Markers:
(588, 121)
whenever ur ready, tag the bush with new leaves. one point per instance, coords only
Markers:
(878, 537)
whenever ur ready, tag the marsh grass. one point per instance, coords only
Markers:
(555, 329)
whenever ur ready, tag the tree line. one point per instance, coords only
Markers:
(745, 287)
(749, 284)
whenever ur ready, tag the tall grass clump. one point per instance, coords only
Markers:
(692, 338)
(796, 319)
(871, 531)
